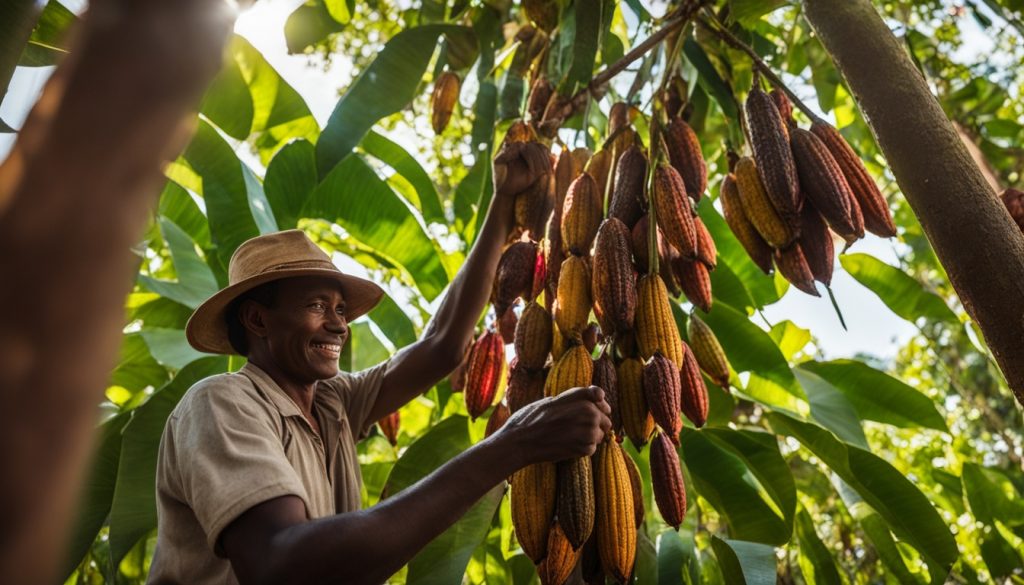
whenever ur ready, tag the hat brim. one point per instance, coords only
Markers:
(207, 329)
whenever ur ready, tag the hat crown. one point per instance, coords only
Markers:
(287, 250)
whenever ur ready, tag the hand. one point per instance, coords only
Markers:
(518, 166)
(552, 429)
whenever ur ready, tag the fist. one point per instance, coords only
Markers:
(563, 427)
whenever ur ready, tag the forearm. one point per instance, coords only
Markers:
(370, 545)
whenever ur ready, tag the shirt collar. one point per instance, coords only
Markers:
(282, 401)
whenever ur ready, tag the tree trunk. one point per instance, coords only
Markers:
(76, 192)
(974, 237)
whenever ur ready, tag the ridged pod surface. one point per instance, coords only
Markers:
(568, 167)
(759, 209)
(540, 95)
(667, 481)
(618, 116)
(783, 104)
(655, 326)
(707, 251)
(514, 277)
(575, 507)
(574, 300)
(533, 206)
(574, 369)
(581, 215)
(685, 155)
(636, 418)
(533, 336)
(693, 391)
(389, 427)
(873, 206)
(524, 386)
(486, 370)
(443, 99)
(769, 139)
(662, 391)
(613, 282)
(553, 255)
(792, 263)
(533, 506)
(560, 560)
(636, 486)
(823, 183)
(627, 201)
(816, 244)
(674, 215)
(695, 280)
(605, 378)
(708, 351)
(599, 167)
(558, 342)
(616, 528)
(732, 208)
(497, 419)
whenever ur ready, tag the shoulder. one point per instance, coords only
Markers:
(357, 381)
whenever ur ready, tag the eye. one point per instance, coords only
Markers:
(318, 306)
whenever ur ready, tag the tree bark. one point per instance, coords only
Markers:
(76, 192)
(973, 235)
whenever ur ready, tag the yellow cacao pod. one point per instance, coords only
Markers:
(759, 209)
(574, 369)
(581, 215)
(732, 208)
(574, 300)
(655, 326)
(561, 559)
(575, 507)
(533, 507)
(708, 351)
(616, 527)
(533, 336)
(636, 417)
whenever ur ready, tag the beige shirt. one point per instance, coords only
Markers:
(236, 440)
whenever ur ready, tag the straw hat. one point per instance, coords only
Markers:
(265, 258)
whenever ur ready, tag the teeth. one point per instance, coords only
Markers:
(328, 347)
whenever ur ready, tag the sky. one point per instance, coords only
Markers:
(872, 328)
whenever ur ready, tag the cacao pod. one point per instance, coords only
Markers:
(792, 263)
(507, 323)
(533, 336)
(667, 481)
(443, 99)
(540, 274)
(674, 214)
(616, 528)
(823, 183)
(575, 498)
(628, 201)
(518, 132)
(693, 392)
(732, 208)
(568, 167)
(784, 106)
(759, 209)
(655, 326)
(605, 378)
(816, 244)
(574, 300)
(590, 563)
(514, 276)
(662, 391)
(613, 278)
(695, 280)
(1014, 202)
(707, 252)
(769, 139)
(560, 560)
(533, 206)
(389, 427)
(543, 13)
(558, 342)
(524, 386)
(581, 215)
(573, 370)
(636, 486)
(533, 506)
(540, 95)
(708, 351)
(497, 419)
(599, 167)
(486, 370)
(685, 155)
(555, 255)
(618, 116)
(636, 417)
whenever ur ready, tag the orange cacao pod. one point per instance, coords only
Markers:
(636, 417)
(685, 155)
(823, 183)
(560, 560)
(599, 167)
(732, 208)
(769, 139)
(667, 481)
(581, 215)
(389, 427)
(707, 251)
(614, 280)
(662, 391)
(759, 209)
(573, 370)
(616, 528)
(674, 214)
(443, 99)
(694, 393)
(708, 351)
(655, 326)
(533, 507)
(486, 370)
(628, 201)
(574, 300)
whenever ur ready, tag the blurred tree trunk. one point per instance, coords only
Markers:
(973, 236)
(75, 195)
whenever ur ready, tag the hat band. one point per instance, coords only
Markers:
(324, 264)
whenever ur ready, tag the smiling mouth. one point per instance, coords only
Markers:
(328, 349)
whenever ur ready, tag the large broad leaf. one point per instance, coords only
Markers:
(17, 18)
(177, 205)
(290, 180)
(385, 87)
(877, 532)
(992, 496)
(364, 348)
(136, 369)
(831, 409)
(748, 12)
(816, 562)
(900, 292)
(472, 194)
(49, 40)
(308, 25)
(196, 281)
(393, 321)
(415, 184)
(759, 287)
(745, 563)
(358, 200)
(909, 513)
(170, 348)
(878, 396)
(714, 85)
(587, 17)
(444, 559)
(745, 478)
(790, 337)
(133, 512)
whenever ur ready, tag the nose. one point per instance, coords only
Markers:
(337, 324)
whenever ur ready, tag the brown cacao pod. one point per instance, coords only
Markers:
(618, 116)
(540, 95)
(685, 155)
(708, 351)
(823, 183)
(667, 481)
(574, 369)
(616, 528)
(533, 336)
(568, 167)
(662, 391)
(519, 131)
(693, 391)
(636, 486)
(628, 201)
(486, 370)
(554, 256)
(590, 563)
(533, 506)
(514, 276)
(759, 209)
(575, 506)
(769, 139)
(507, 324)
(873, 206)
(732, 208)
(600, 167)
(695, 280)
(636, 417)
(533, 206)
(524, 386)
(792, 263)
(707, 251)
(1013, 199)
(560, 560)
(443, 100)
(784, 106)
(674, 214)
(655, 326)
(605, 378)
(816, 243)
(581, 215)
(667, 254)
(613, 278)
(499, 415)
(574, 300)
(389, 427)
(543, 13)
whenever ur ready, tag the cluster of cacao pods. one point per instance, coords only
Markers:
(783, 202)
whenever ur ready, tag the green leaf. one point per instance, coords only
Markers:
(713, 83)
(646, 568)
(878, 396)
(748, 12)
(393, 321)
(900, 292)
(877, 532)
(308, 25)
(170, 348)
(340, 10)
(290, 180)
(831, 409)
(17, 19)
(366, 350)
(909, 513)
(816, 562)
(759, 287)
(472, 195)
(136, 369)
(177, 205)
(49, 40)
(992, 496)
(790, 337)
(385, 87)
(228, 103)
(587, 16)
(745, 563)
(423, 195)
(196, 281)
(357, 199)
(444, 559)
(673, 555)
(743, 475)
(133, 512)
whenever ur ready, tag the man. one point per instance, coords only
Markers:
(258, 479)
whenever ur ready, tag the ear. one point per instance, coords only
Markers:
(252, 316)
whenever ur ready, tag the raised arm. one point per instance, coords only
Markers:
(416, 368)
(272, 542)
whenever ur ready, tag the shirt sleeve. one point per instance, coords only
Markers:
(230, 458)
(358, 392)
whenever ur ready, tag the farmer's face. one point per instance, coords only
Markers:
(306, 328)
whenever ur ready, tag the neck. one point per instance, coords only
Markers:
(300, 392)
